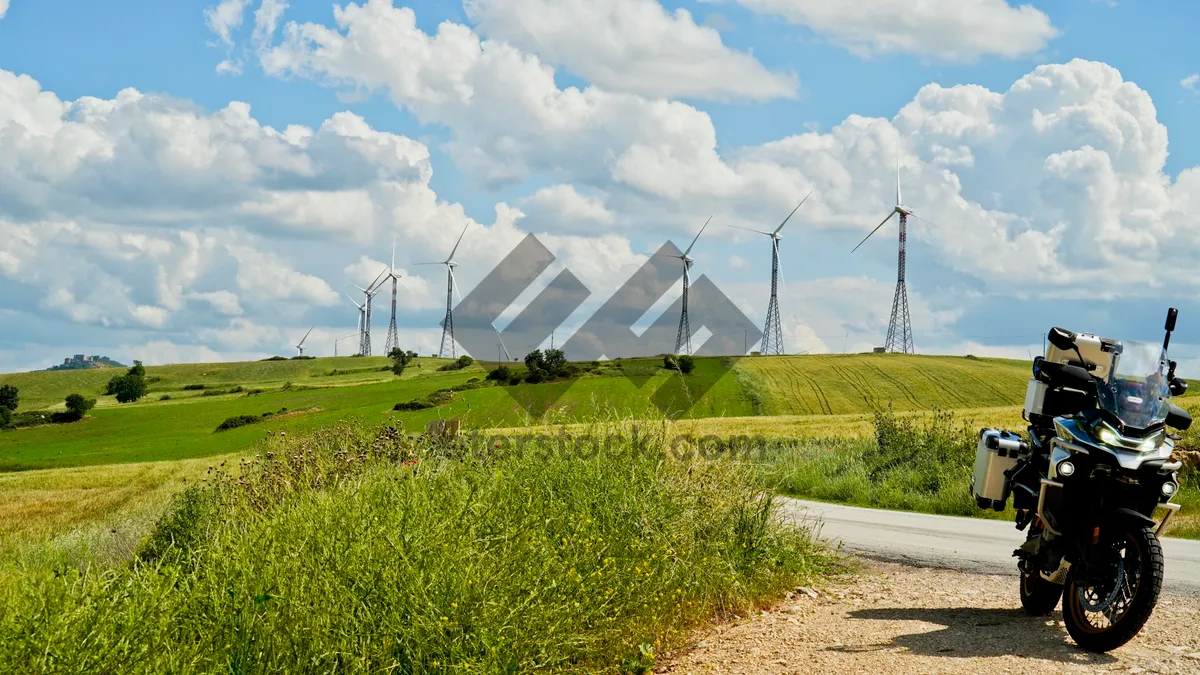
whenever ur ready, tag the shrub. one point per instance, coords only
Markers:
(459, 363)
(10, 397)
(79, 406)
(165, 397)
(276, 358)
(237, 390)
(194, 387)
(686, 364)
(238, 421)
(670, 362)
(500, 374)
(5, 417)
(535, 377)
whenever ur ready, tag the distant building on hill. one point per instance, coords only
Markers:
(84, 362)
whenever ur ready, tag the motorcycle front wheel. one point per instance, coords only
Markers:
(1108, 609)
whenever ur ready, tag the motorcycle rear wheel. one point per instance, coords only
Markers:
(1038, 596)
(1140, 559)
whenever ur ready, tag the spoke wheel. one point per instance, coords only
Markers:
(1108, 609)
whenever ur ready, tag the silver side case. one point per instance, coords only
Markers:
(997, 452)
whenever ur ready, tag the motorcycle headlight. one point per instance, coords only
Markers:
(1107, 435)
(1149, 445)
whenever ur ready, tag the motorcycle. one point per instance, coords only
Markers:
(1088, 481)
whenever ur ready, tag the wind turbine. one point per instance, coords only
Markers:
(345, 337)
(362, 315)
(683, 339)
(393, 337)
(507, 357)
(772, 342)
(448, 344)
(899, 336)
(369, 294)
(300, 347)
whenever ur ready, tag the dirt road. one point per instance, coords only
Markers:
(894, 619)
(964, 544)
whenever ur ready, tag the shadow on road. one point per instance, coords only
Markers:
(973, 632)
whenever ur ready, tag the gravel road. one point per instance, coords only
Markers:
(895, 619)
(939, 595)
(963, 544)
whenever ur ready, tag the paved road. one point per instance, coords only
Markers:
(965, 544)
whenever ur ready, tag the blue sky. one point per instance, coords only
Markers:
(985, 294)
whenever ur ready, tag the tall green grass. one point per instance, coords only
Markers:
(915, 464)
(357, 549)
(912, 464)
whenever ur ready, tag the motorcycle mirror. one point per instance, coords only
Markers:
(1172, 314)
(1061, 338)
(1178, 387)
(1178, 418)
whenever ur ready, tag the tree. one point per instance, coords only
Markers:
(400, 359)
(9, 397)
(78, 406)
(137, 369)
(535, 361)
(554, 361)
(5, 417)
(129, 388)
(501, 374)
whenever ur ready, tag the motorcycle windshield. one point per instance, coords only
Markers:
(1137, 390)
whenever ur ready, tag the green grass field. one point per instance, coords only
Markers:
(357, 550)
(337, 388)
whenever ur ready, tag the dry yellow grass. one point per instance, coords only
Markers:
(853, 427)
(50, 501)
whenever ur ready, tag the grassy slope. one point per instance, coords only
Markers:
(154, 430)
(42, 389)
(857, 383)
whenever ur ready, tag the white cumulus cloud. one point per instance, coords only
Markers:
(946, 29)
(631, 45)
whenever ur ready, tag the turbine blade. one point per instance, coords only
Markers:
(739, 227)
(377, 278)
(899, 199)
(310, 330)
(689, 248)
(393, 267)
(454, 284)
(354, 301)
(924, 219)
(889, 217)
(440, 262)
(789, 216)
(460, 238)
(507, 356)
(782, 280)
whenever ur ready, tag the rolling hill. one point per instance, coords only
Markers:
(319, 391)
